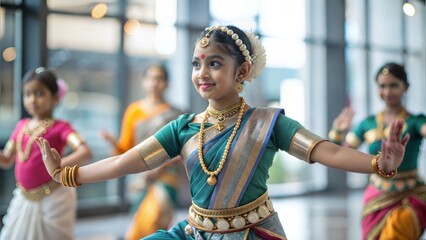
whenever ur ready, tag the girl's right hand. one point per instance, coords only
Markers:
(51, 158)
(344, 121)
(109, 137)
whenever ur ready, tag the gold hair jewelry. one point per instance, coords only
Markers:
(205, 41)
(39, 130)
(385, 70)
(378, 171)
(222, 115)
(212, 174)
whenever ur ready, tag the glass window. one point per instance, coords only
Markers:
(355, 22)
(111, 7)
(86, 59)
(385, 29)
(10, 91)
(241, 13)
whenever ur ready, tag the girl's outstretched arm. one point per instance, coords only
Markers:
(348, 159)
(109, 168)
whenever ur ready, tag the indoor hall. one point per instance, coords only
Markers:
(322, 55)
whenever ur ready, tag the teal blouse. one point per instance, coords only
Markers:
(413, 125)
(174, 135)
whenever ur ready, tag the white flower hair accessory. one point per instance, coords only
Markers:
(258, 56)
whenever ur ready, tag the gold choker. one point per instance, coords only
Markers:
(221, 115)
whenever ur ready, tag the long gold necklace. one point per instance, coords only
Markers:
(212, 174)
(380, 121)
(222, 115)
(39, 130)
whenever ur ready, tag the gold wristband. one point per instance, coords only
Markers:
(380, 172)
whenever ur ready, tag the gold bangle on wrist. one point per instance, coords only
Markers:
(380, 172)
(69, 176)
(55, 172)
(336, 135)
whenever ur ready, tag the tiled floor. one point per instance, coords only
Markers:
(318, 216)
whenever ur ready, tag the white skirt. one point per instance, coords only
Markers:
(52, 218)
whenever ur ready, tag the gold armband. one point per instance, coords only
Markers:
(303, 143)
(378, 171)
(152, 152)
(352, 140)
(74, 140)
(10, 146)
(336, 135)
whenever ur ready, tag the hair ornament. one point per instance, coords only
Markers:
(385, 70)
(258, 57)
(62, 88)
(39, 70)
(258, 62)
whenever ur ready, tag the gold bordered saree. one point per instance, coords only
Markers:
(241, 186)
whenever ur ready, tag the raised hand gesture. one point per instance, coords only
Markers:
(51, 158)
(343, 121)
(393, 148)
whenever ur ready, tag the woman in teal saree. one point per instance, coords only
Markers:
(228, 149)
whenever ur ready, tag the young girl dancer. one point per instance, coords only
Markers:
(393, 208)
(228, 149)
(41, 208)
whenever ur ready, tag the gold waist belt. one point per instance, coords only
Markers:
(38, 193)
(231, 219)
(401, 182)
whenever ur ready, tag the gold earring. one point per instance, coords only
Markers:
(239, 87)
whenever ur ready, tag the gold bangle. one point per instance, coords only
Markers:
(55, 172)
(335, 135)
(378, 171)
(75, 172)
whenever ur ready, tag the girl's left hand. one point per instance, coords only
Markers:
(51, 158)
(393, 148)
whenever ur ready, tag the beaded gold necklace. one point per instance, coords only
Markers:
(212, 174)
(39, 130)
(381, 122)
(222, 115)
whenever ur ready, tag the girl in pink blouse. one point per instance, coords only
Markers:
(41, 208)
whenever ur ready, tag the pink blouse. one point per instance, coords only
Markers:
(32, 172)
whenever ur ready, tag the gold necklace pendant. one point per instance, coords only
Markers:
(211, 180)
(219, 126)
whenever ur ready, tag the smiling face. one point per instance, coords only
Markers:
(214, 73)
(391, 89)
(38, 100)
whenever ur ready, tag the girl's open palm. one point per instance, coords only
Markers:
(344, 121)
(51, 158)
(393, 148)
